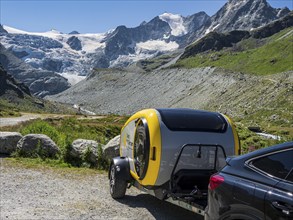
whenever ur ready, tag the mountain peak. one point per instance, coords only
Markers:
(54, 31)
(244, 15)
(73, 32)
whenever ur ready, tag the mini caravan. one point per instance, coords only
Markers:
(171, 154)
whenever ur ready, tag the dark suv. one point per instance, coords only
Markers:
(258, 185)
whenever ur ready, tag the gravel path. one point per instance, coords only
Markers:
(57, 194)
(16, 120)
(11, 121)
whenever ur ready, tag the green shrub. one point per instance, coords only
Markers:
(103, 163)
(42, 127)
(64, 131)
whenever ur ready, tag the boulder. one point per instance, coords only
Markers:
(80, 146)
(8, 142)
(33, 145)
(112, 149)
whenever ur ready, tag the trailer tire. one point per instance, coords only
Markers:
(117, 185)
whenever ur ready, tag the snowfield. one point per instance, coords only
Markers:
(51, 51)
(175, 21)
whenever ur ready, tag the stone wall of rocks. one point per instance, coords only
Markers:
(33, 145)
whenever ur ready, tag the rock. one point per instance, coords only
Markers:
(8, 142)
(52, 64)
(74, 43)
(215, 41)
(111, 149)
(33, 145)
(2, 30)
(79, 148)
(48, 85)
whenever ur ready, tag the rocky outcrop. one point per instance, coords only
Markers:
(244, 15)
(274, 27)
(37, 145)
(52, 64)
(111, 149)
(215, 41)
(8, 85)
(40, 82)
(81, 147)
(8, 142)
(74, 43)
(2, 30)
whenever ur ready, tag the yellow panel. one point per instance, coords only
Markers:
(155, 141)
(235, 135)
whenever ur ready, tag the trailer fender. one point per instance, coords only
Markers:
(122, 168)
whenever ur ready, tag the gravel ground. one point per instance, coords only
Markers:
(27, 193)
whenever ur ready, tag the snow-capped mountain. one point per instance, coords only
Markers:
(73, 55)
(76, 54)
(54, 51)
(162, 34)
(244, 15)
(40, 82)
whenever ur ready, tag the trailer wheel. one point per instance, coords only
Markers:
(117, 186)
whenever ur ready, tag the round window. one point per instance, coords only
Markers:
(141, 148)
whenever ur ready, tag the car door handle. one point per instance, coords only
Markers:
(288, 210)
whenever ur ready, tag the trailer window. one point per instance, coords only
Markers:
(141, 147)
(193, 120)
(201, 158)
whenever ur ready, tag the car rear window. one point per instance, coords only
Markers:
(193, 120)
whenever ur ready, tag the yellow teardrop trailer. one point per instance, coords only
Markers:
(171, 154)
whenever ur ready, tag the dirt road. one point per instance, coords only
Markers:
(16, 120)
(11, 121)
(27, 193)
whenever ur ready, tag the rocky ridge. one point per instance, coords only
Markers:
(8, 85)
(125, 92)
(39, 82)
(216, 41)
(244, 15)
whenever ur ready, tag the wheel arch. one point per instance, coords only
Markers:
(242, 211)
(122, 168)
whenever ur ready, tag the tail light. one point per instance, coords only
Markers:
(215, 181)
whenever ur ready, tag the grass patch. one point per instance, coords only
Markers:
(63, 131)
(156, 62)
(11, 105)
(250, 141)
(49, 164)
(249, 56)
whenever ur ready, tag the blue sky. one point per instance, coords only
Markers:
(97, 16)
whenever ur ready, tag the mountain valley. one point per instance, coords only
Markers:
(238, 61)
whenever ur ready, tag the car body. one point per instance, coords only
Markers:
(257, 185)
(171, 154)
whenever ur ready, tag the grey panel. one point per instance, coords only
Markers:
(172, 141)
